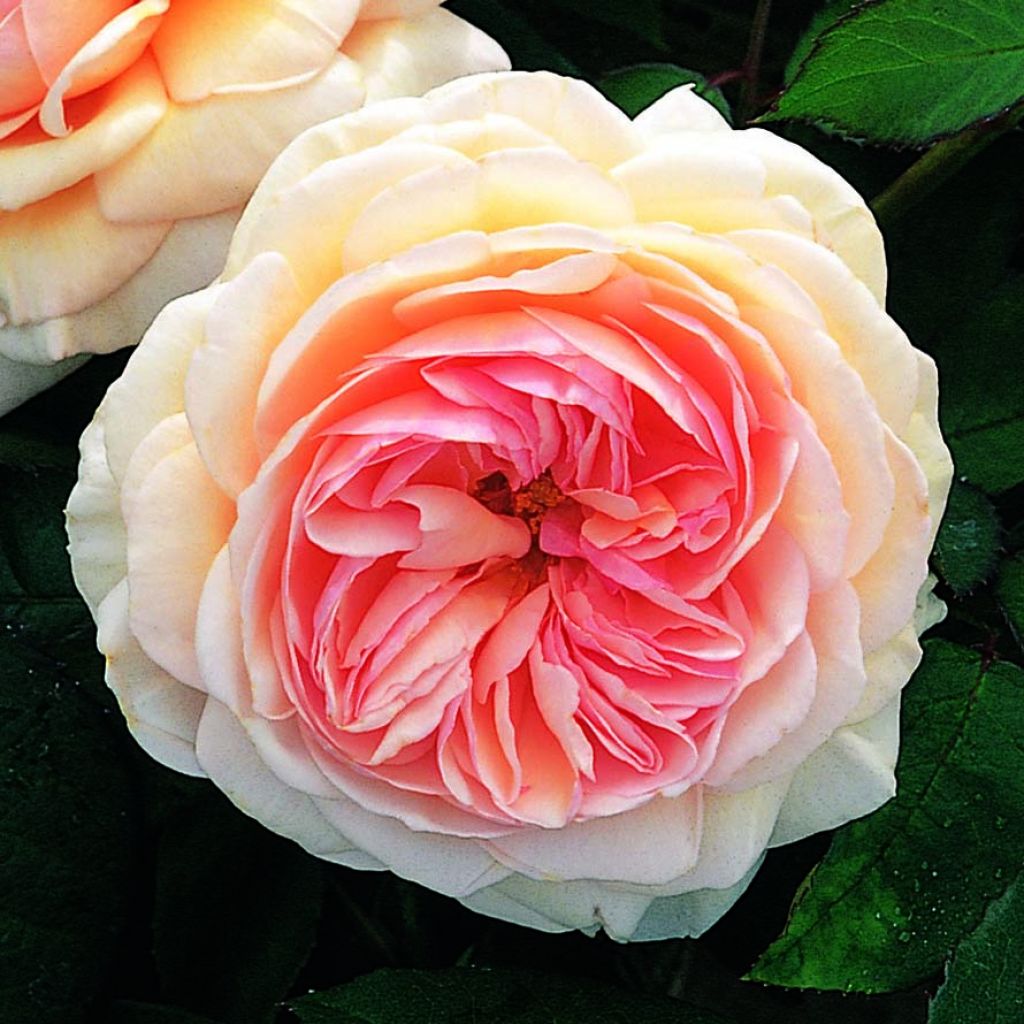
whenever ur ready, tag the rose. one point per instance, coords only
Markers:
(134, 132)
(536, 506)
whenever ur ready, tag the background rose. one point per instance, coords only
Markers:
(498, 220)
(134, 132)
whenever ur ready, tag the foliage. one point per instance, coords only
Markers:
(126, 890)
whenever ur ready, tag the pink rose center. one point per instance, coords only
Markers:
(531, 563)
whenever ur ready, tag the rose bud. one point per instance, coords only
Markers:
(537, 507)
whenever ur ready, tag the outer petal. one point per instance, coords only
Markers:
(228, 755)
(95, 527)
(664, 836)
(121, 117)
(208, 46)
(851, 775)
(179, 170)
(408, 57)
(188, 258)
(162, 714)
(44, 269)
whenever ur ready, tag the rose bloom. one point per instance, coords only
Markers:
(133, 133)
(536, 507)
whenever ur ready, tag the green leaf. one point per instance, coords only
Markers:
(822, 20)
(473, 995)
(635, 88)
(899, 890)
(967, 547)
(236, 912)
(911, 71)
(985, 979)
(67, 843)
(981, 398)
(1010, 594)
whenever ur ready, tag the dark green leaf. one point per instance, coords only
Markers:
(822, 20)
(66, 841)
(474, 995)
(125, 1012)
(985, 980)
(953, 249)
(967, 547)
(899, 890)
(236, 912)
(982, 401)
(643, 18)
(635, 88)
(529, 49)
(910, 71)
(1010, 593)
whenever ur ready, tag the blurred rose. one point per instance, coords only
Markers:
(536, 507)
(132, 133)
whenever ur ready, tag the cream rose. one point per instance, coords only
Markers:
(134, 133)
(536, 507)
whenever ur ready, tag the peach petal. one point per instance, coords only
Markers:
(308, 221)
(199, 54)
(187, 259)
(54, 41)
(129, 110)
(243, 326)
(490, 195)
(51, 276)
(152, 385)
(179, 521)
(872, 343)
(21, 83)
(847, 423)
(219, 655)
(110, 53)
(170, 530)
(768, 709)
(567, 110)
(178, 169)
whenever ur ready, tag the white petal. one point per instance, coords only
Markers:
(848, 777)
(406, 58)
(94, 524)
(680, 110)
(228, 755)
(161, 713)
(663, 837)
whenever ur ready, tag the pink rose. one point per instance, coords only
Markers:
(134, 133)
(536, 507)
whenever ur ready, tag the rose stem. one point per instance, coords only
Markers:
(752, 62)
(939, 164)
